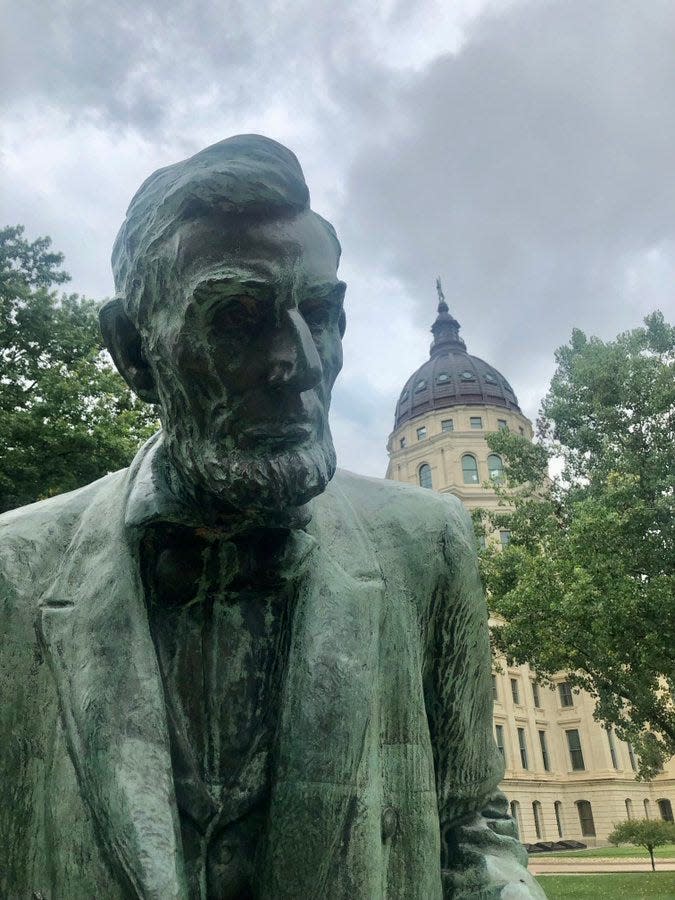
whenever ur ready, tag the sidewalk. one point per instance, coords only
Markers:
(590, 864)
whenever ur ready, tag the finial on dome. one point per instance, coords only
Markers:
(442, 305)
(446, 328)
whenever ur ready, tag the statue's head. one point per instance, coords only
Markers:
(228, 315)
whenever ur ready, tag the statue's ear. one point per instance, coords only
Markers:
(123, 340)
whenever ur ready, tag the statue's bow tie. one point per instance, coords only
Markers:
(187, 564)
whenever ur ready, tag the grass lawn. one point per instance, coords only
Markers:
(665, 852)
(633, 886)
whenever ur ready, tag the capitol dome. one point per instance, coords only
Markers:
(451, 376)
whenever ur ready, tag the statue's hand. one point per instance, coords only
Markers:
(506, 880)
(517, 883)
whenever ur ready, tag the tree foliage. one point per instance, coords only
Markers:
(586, 584)
(66, 416)
(647, 833)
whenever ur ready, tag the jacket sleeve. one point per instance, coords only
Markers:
(481, 856)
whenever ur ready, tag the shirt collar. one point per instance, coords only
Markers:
(151, 498)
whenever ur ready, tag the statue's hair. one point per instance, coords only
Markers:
(248, 176)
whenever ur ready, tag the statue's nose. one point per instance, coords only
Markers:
(294, 361)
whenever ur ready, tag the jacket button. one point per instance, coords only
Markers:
(389, 822)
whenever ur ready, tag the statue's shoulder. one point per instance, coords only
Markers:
(32, 536)
(382, 500)
(53, 509)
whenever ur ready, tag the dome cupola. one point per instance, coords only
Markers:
(451, 376)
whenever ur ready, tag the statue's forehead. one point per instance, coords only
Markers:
(274, 250)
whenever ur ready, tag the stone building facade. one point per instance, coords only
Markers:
(566, 776)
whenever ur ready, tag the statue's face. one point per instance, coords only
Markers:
(245, 356)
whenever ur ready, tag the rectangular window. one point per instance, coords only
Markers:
(476, 422)
(565, 691)
(499, 740)
(501, 424)
(612, 748)
(515, 690)
(447, 425)
(522, 746)
(538, 824)
(421, 433)
(495, 692)
(402, 442)
(576, 756)
(631, 757)
(505, 538)
(535, 694)
(586, 818)
(544, 751)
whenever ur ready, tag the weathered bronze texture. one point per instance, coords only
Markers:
(228, 671)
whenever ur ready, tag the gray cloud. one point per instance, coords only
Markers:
(149, 65)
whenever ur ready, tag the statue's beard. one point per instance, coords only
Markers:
(252, 480)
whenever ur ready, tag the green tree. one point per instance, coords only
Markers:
(66, 416)
(586, 584)
(647, 833)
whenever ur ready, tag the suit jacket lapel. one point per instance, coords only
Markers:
(328, 720)
(96, 639)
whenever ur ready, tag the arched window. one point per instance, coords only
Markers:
(538, 820)
(629, 808)
(557, 809)
(495, 467)
(586, 818)
(516, 816)
(469, 469)
(425, 476)
(647, 806)
(666, 810)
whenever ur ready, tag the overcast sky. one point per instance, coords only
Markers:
(524, 151)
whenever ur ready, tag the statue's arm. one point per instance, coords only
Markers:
(481, 856)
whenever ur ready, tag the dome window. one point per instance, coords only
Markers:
(490, 378)
(469, 469)
(443, 378)
(467, 376)
(495, 467)
(404, 396)
(507, 386)
(421, 384)
(425, 476)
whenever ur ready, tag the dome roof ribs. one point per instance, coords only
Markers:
(451, 376)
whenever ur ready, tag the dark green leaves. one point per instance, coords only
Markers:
(66, 417)
(587, 583)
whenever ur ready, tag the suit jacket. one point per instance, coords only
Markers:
(385, 770)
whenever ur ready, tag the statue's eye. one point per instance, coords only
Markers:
(316, 315)
(236, 313)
